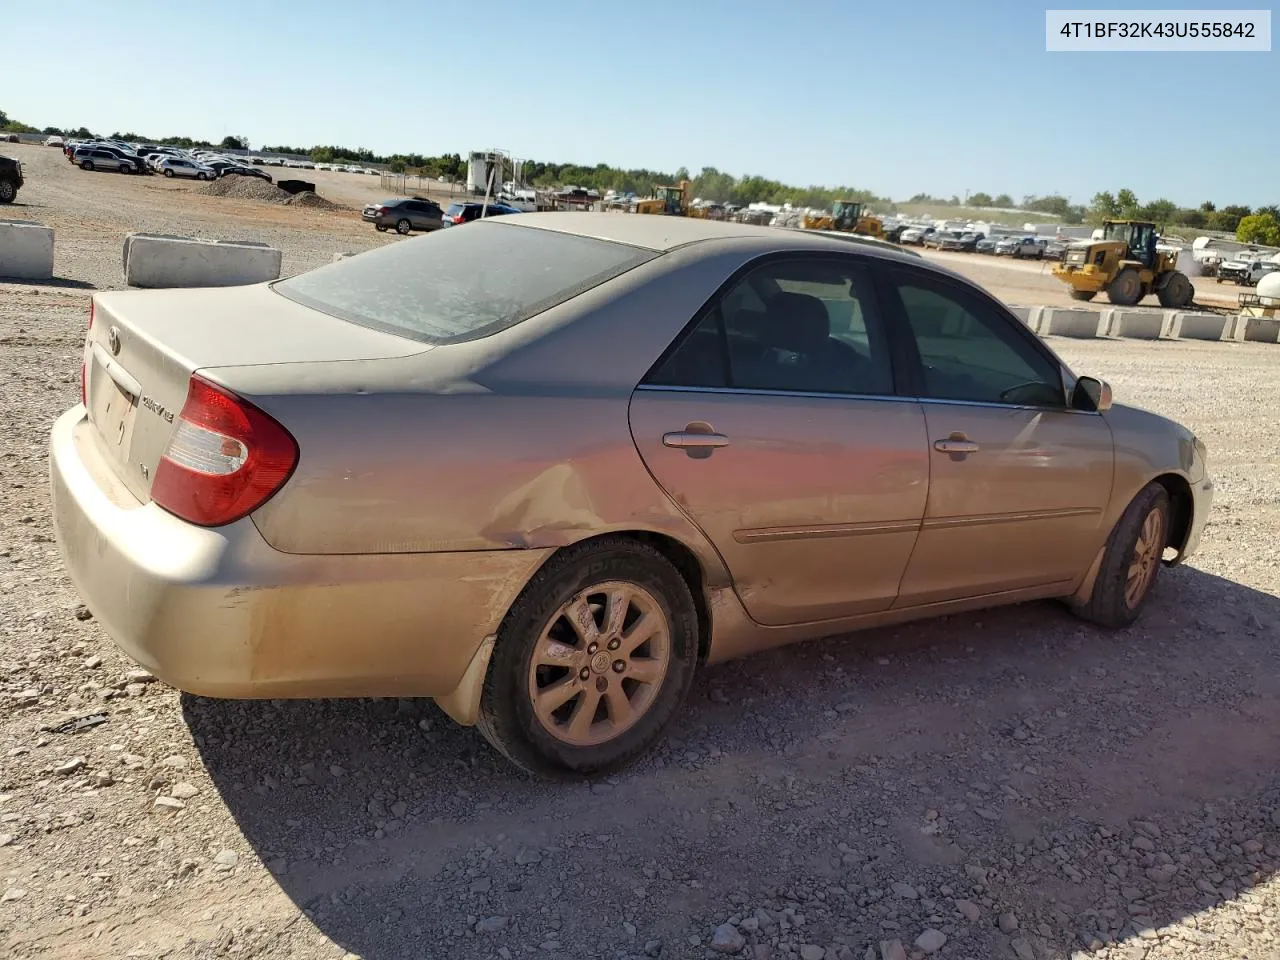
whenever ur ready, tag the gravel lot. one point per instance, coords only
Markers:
(1006, 784)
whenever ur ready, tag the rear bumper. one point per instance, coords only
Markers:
(218, 612)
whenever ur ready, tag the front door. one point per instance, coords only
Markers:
(775, 426)
(1018, 481)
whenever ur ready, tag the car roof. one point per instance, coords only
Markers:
(664, 233)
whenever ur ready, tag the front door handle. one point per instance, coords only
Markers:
(956, 443)
(692, 440)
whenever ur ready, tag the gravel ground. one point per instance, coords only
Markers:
(1011, 784)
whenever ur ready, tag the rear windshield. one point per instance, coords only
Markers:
(454, 285)
(455, 209)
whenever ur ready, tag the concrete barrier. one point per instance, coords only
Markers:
(1200, 326)
(1140, 324)
(157, 260)
(1261, 329)
(1066, 322)
(26, 250)
(1028, 315)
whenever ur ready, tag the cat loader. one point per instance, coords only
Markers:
(1127, 265)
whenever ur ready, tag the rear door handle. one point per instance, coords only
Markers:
(956, 445)
(687, 440)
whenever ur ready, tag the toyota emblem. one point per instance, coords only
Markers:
(113, 340)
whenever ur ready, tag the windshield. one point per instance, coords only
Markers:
(464, 284)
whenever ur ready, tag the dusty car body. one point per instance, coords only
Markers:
(543, 487)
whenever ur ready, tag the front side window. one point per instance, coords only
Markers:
(970, 352)
(806, 325)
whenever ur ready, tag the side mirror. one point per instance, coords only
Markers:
(1091, 394)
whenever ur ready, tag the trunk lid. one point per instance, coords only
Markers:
(143, 347)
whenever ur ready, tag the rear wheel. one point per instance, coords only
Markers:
(1176, 292)
(402, 226)
(1132, 560)
(592, 661)
(168, 173)
(1082, 294)
(86, 164)
(7, 191)
(1126, 289)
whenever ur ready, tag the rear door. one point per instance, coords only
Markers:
(775, 425)
(1019, 482)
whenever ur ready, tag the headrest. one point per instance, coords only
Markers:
(798, 322)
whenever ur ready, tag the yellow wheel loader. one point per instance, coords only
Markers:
(671, 201)
(1127, 265)
(846, 216)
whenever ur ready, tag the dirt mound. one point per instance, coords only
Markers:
(245, 188)
(309, 199)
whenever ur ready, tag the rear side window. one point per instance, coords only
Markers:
(455, 285)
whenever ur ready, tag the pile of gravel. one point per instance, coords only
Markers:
(309, 199)
(245, 188)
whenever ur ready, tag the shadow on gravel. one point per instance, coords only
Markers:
(1101, 786)
(61, 282)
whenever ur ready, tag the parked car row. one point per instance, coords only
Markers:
(120, 157)
(307, 165)
(1019, 247)
(407, 214)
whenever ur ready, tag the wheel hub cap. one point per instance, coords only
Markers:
(599, 663)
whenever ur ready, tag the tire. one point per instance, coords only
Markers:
(537, 621)
(1138, 541)
(1126, 288)
(1177, 292)
(403, 226)
(7, 191)
(168, 172)
(1082, 294)
(124, 168)
(86, 165)
(380, 228)
(200, 175)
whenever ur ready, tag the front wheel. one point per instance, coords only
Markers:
(1131, 561)
(200, 175)
(592, 661)
(7, 191)
(1126, 289)
(380, 228)
(1082, 294)
(168, 173)
(402, 226)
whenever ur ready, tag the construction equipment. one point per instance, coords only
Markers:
(846, 216)
(1127, 264)
(671, 201)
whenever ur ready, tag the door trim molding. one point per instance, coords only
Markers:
(977, 520)
(824, 531)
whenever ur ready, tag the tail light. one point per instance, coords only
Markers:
(226, 458)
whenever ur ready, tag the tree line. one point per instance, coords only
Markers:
(1249, 225)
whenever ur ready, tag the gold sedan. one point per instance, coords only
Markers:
(541, 467)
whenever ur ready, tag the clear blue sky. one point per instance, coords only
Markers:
(898, 97)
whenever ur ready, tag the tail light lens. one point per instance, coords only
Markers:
(226, 458)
